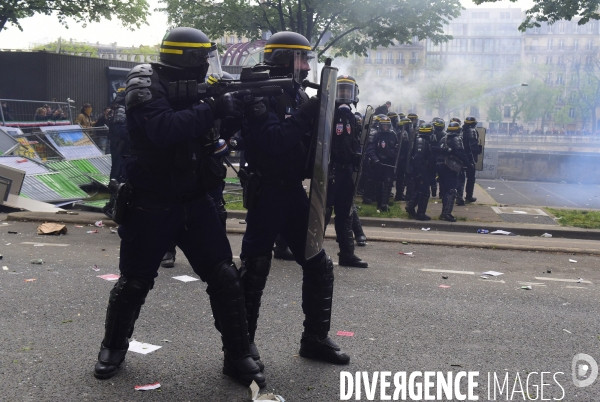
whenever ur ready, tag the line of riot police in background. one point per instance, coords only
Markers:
(420, 156)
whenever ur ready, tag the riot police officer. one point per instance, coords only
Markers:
(450, 161)
(345, 159)
(473, 149)
(439, 132)
(168, 175)
(403, 127)
(383, 154)
(412, 136)
(420, 156)
(277, 134)
(367, 184)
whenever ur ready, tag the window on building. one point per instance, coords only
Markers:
(222, 40)
(559, 98)
(239, 40)
(561, 60)
(561, 45)
(506, 111)
(575, 45)
(572, 112)
(591, 27)
(390, 58)
(550, 44)
(534, 59)
(549, 79)
(232, 39)
(559, 81)
(536, 30)
(548, 59)
(399, 74)
(505, 15)
(378, 58)
(388, 73)
(550, 28)
(378, 72)
(573, 96)
(590, 44)
(562, 27)
(480, 15)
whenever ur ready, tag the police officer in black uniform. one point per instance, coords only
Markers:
(277, 131)
(168, 175)
(439, 126)
(421, 157)
(412, 137)
(450, 160)
(382, 152)
(403, 127)
(345, 158)
(473, 149)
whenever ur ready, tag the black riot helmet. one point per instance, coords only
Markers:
(347, 90)
(291, 51)
(359, 118)
(453, 128)
(190, 50)
(425, 130)
(385, 124)
(401, 116)
(394, 118)
(470, 121)
(456, 119)
(439, 124)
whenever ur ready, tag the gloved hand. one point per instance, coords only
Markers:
(225, 107)
(256, 109)
(311, 106)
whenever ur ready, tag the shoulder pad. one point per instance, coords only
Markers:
(139, 87)
(119, 115)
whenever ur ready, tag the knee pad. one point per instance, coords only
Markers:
(255, 271)
(319, 266)
(224, 277)
(130, 291)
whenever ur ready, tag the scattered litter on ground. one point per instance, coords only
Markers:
(546, 235)
(492, 273)
(502, 232)
(78, 226)
(50, 228)
(444, 276)
(113, 230)
(253, 394)
(66, 321)
(166, 340)
(99, 224)
(345, 333)
(30, 280)
(37, 261)
(95, 268)
(444, 286)
(378, 211)
(404, 242)
(383, 225)
(242, 222)
(491, 188)
(426, 229)
(409, 253)
(12, 232)
(501, 194)
(5, 268)
(483, 231)
(4, 223)
(8, 244)
(519, 212)
(579, 280)
(142, 348)
(548, 271)
(92, 231)
(568, 332)
(147, 387)
(570, 260)
(1, 256)
(528, 287)
(109, 277)
(484, 277)
(185, 278)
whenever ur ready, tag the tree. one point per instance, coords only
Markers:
(587, 85)
(348, 26)
(131, 13)
(555, 10)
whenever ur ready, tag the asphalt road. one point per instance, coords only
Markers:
(401, 320)
(542, 194)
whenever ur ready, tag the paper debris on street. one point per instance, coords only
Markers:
(51, 228)
(570, 260)
(147, 387)
(345, 333)
(546, 235)
(444, 286)
(426, 229)
(186, 278)
(109, 277)
(502, 232)
(253, 394)
(492, 273)
(142, 348)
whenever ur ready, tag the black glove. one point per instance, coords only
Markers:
(311, 106)
(256, 109)
(225, 107)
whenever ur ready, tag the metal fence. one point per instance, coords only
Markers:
(32, 113)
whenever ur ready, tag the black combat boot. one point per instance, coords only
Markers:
(346, 241)
(226, 294)
(460, 201)
(254, 273)
(281, 251)
(421, 211)
(124, 305)
(470, 198)
(359, 234)
(317, 293)
(448, 206)
(410, 207)
(168, 261)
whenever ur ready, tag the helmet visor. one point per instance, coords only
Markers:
(302, 60)
(346, 91)
(214, 64)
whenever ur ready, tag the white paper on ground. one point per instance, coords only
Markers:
(147, 387)
(143, 348)
(570, 260)
(185, 278)
(426, 229)
(253, 394)
(492, 273)
(502, 232)
(519, 212)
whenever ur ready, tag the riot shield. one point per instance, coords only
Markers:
(412, 135)
(479, 163)
(364, 136)
(318, 161)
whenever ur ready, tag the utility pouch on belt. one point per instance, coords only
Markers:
(453, 163)
(212, 172)
(251, 189)
(123, 198)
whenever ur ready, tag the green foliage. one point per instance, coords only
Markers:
(577, 218)
(69, 47)
(132, 13)
(355, 25)
(555, 10)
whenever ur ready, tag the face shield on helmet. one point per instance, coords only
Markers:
(385, 124)
(214, 64)
(302, 60)
(347, 90)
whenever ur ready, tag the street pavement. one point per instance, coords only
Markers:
(559, 195)
(400, 317)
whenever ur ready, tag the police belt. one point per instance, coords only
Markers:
(276, 182)
(177, 198)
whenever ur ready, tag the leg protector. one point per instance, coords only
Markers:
(422, 207)
(448, 206)
(254, 273)
(124, 305)
(220, 204)
(317, 293)
(359, 234)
